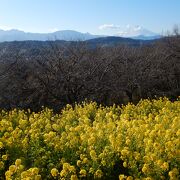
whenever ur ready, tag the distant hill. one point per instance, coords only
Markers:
(33, 49)
(114, 41)
(142, 37)
(70, 35)
(67, 35)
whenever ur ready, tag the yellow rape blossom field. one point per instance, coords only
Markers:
(92, 142)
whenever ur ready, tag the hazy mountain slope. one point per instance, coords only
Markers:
(67, 35)
(70, 35)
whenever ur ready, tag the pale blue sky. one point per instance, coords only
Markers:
(88, 15)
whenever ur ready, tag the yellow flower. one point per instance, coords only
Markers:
(63, 173)
(78, 163)
(4, 157)
(54, 172)
(165, 166)
(38, 177)
(66, 166)
(125, 164)
(1, 145)
(12, 168)
(125, 152)
(82, 172)
(24, 174)
(98, 173)
(103, 162)
(122, 177)
(72, 169)
(129, 178)
(21, 167)
(8, 174)
(91, 170)
(93, 155)
(18, 162)
(74, 177)
(148, 178)
(173, 173)
(145, 168)
(1, 164)
(128, 141)
(85, 160)
(35, 171)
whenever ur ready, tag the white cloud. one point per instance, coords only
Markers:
(109, 26)
(125, 31)
(130, 31)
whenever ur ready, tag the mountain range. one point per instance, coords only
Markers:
(137, 32)
(70, 35)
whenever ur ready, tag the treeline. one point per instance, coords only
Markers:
(36, 74)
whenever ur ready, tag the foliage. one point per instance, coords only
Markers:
(92, 142)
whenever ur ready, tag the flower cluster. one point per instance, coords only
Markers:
(93, 142)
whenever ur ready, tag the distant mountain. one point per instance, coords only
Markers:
(67, 35)
(114, 41)
(142, 37)
(138, 32)
(70, 35)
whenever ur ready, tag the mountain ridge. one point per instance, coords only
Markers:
(67, 35)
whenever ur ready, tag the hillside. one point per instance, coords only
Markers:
(106, 70)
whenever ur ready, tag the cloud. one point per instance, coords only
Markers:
(109, 26)
(124, 31)
(130, 31)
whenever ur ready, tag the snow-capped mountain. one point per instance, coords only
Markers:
(137, 32)
(67, 35)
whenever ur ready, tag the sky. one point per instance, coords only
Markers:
(93, 16)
